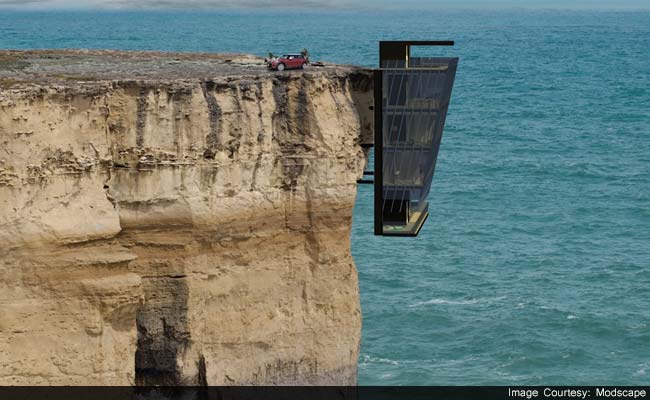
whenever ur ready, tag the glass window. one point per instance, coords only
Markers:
(413, 110)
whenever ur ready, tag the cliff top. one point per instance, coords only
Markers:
(66, 67)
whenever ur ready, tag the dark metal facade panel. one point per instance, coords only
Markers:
(404, 43)
(379, 222)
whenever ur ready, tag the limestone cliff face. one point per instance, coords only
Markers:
(179, 231)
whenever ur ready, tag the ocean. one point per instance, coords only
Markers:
(533, 267)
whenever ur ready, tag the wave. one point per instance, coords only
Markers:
(464, 302)
(370, 359)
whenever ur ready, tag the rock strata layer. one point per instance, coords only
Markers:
(178, 219)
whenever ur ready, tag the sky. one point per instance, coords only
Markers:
(330, 4)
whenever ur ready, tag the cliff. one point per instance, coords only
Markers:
(177, 219)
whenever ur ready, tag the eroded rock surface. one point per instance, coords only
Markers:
(181, 225)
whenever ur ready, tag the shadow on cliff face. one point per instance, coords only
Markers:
(163, 333)
(361, 91)
(213, 144)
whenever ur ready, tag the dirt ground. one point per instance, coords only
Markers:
(70, 66)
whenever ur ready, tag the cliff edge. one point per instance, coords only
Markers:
(178, 219)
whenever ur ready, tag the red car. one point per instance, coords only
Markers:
(289, 61)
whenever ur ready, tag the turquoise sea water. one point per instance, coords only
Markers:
(534, 265)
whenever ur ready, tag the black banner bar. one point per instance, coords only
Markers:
(326, 393)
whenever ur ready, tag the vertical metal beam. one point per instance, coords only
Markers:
(379, 150)
(408, 56)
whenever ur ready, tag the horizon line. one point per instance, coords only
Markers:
(28, 8)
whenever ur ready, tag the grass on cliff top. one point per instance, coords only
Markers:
(11, 62)
(83, 78)
(6, 83)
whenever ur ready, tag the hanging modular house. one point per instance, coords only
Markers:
(411, 99)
